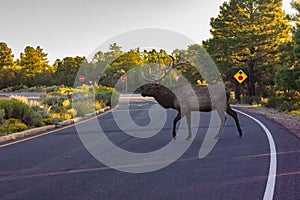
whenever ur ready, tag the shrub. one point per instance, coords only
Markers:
(103, 96)
(60, 116)
(47, 121)
(251, 100)
(33, 119)
(97, 105)
(50, 89)
(274, 102)
(109, 98)
(2, 115)
(282, 103)
(16, 125)
(12, 125)
(52, 100)
(72, 112)
(82, 108)
(16, 109)
(20, 98)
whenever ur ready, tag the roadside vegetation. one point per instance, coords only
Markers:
(55, 105)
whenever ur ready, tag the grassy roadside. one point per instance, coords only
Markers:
(56, 105)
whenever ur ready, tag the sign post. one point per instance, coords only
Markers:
(124, 80)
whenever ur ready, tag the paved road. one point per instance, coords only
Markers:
(28, 95)
(58, 166)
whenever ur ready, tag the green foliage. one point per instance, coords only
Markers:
(107, 95)
(6, 56)
(249, 33)
(35, 66)
(118, 63)
(66, 70)
(282, 103)
(58, 104)
(16, 109)
(254, 100)
(12, 125)
(104, 96)
(82, 108)
(47, 121)
(8, 68)
(2, 116)
(287, 77)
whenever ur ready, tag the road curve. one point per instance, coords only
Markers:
(58, 166)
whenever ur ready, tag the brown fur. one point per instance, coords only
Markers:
(168, 98)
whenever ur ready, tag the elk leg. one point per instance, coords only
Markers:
(223, 119)
(176, 119)
(188, 120)
(233, 114)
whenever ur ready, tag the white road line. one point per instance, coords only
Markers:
(270, 188)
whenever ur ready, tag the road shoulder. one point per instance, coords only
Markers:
(284, 119)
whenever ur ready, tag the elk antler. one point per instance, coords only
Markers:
(166, 70)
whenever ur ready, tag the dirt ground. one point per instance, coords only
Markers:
(286, 120)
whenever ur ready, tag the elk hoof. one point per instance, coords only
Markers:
(241, 134)
(174, 138)
(188, 138)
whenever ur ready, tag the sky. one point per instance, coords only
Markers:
(77, 27)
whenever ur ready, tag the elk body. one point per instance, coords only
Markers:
(166, 98)
(185, 99)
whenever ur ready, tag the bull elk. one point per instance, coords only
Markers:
(180, 98)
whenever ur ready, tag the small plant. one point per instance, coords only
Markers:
(98, 105)
(72, 112)
(82, 108)
(12, 125)
(20, 98)
(2, 115)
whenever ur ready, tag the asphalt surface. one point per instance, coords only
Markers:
(28, 95)
(58, 166)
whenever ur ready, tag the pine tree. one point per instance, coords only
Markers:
(247, 34)
(6, 56)
(287, 78)
(7, 66)
(34, 65)
(67, 70)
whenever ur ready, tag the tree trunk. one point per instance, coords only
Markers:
(238, 92)
(251, 80)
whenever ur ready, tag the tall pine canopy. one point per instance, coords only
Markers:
(247, 34)
(287, 78)
(7, 66)
(34, 65)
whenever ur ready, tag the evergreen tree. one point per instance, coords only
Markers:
(35, 65)
(6, 56)
(67, 69)
(7, 66)
(287, 78)
(247, 34)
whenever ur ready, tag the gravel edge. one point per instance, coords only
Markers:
(286, 120)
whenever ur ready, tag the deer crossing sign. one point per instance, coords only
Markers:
(240, 76)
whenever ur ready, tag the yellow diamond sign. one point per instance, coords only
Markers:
(240, 76)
